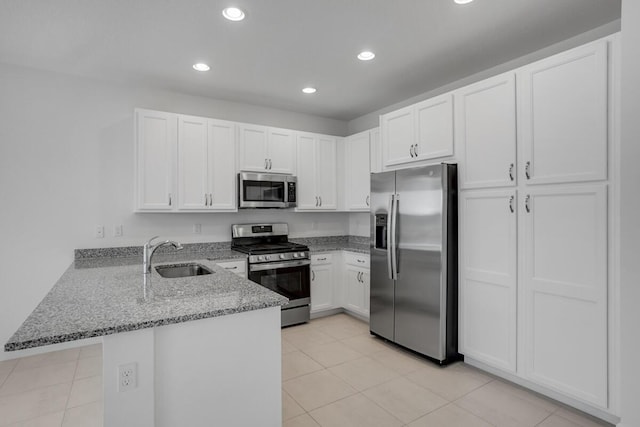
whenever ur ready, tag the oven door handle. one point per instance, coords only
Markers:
(273, 266)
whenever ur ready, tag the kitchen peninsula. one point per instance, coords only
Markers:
(203, 348)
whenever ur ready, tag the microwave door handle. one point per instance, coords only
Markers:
(389, 245)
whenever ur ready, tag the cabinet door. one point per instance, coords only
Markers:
(321, 287)
(398, 134)
(486, 132)
(326, 171)
(253, 148)
(375, 151)
(434, 128)
(281, 151)
(563, 106)
(488, 260)
(306, 153)
(193, 165)
(358, 176)
(357, 290)
(222, 171)
(156, 145)
(565, 290)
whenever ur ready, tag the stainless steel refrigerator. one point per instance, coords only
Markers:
(414, 259)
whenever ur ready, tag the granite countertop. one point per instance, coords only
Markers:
(102, 292)
(95, 299)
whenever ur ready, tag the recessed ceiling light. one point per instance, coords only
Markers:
(462, 1)
(201, 67)
(366, 55)
(309, 90)
(233, 14)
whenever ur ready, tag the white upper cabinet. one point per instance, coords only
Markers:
(485, 119)
(563, 116)
(434, 128)
(156, 145)
(488, 280)
(264, 149)
(375, 150)
(193, 163)
(222, 166)
(357, 165)
(317, 172)
(564, 289)
(398, 136)
(419, 132)
(206, 172)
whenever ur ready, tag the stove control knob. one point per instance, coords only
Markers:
(295, 255)
(302, 255)
(259, 258)
(282, 256)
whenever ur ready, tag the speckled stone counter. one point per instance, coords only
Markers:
(336, 243)
(102, 296)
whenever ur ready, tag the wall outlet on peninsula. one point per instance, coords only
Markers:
(127, 377)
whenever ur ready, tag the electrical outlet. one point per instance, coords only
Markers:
(127, 377)
(117, 230)
(197, 228)
(100, 232)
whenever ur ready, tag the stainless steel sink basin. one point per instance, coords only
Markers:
(182, 270)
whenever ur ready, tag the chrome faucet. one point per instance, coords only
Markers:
(149, 249)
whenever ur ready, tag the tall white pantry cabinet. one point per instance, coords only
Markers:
(535, 147)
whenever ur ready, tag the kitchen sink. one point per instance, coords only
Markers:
(182, 270)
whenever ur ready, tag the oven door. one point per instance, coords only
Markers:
(289, 278)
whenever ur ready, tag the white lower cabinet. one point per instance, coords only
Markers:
(356, 283)
(235, 266)
(488, 277)
(564, 289)
(322, 282)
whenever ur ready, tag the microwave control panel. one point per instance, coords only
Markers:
(291, 192)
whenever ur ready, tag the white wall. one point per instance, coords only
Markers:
(371, 120)
(630, 214)
(66, 166)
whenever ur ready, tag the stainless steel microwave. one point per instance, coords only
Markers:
(266, 190)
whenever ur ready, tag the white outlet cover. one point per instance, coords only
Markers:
(117, 231)
(99, 232)
(127, 377)
(197, 228)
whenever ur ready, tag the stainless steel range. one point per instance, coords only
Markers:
(277, 264)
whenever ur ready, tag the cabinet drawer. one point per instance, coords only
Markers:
(359, 260)
(238, 267)
(321, 259)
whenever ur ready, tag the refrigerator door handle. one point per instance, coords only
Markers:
(394, 243)
(389, 241)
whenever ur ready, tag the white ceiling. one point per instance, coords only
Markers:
(284, 45)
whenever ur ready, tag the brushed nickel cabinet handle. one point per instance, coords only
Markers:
(511, 204)
(511, 177)
(360, 261)
(316, 201)
(270, 164)
(527, 170)
(266, 163)
(169, 199)
(367, 201)
(231, 268)
(322, 259)
(526, 203)
(415, 150)
(320, 197)
(313, 275)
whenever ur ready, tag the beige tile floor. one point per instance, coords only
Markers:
(334, 373)
(61, 388)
